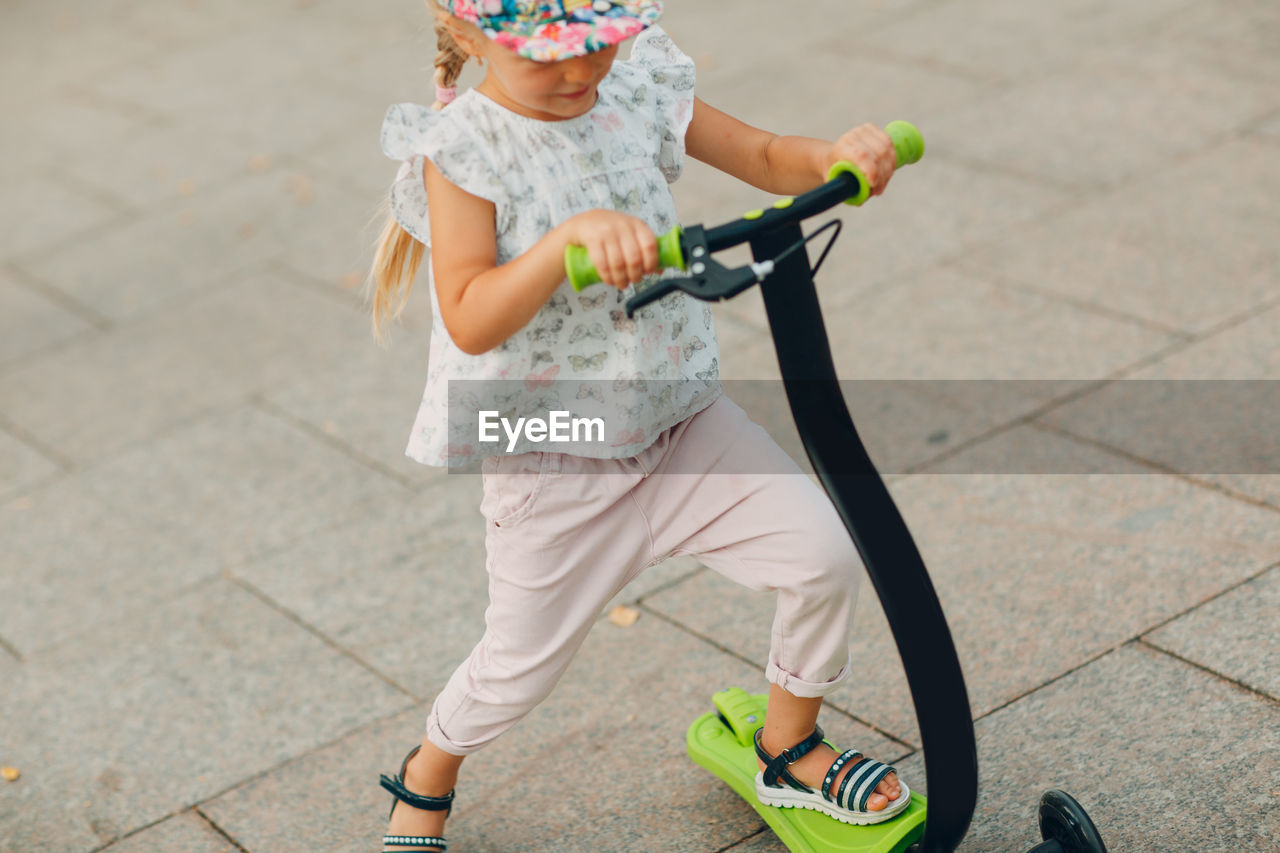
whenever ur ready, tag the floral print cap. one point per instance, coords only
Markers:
(549, 30)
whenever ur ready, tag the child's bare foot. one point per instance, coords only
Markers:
(407, 820)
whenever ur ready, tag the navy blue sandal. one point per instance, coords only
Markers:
(418, 801)
(847, 804)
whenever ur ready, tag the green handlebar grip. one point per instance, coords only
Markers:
(907, 141)
(582, 272)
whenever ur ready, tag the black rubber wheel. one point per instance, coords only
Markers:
(1062, 820)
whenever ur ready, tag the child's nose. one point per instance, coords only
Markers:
(581, 69)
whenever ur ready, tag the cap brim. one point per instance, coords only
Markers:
(586, 31)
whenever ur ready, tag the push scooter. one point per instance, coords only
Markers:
(721, 741)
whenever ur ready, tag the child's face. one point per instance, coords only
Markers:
(549, 91)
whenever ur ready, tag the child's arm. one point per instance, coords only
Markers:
(482, 304)
(785, 165)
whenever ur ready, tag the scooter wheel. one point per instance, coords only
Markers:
(1064, 821)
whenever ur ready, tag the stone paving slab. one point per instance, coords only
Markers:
(1205, 261)
(73, 563)
(1236, 635)
(21, 466)
(1083, 564)
(241, 483)
(624, 703)
(153, 165)
(1246, 351)
(1107, 121)
(284, 467)
(186, 832)
(41, 211)
(404, 590)
(1013, 40)
(368, 399)
(1237, 37)
(242, 100)
(998, 333)
(31, 322)
(180, 250)
(144, 378)
(51, 135)
(234, 693)
(1140, 740)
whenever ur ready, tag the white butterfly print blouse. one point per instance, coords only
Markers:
(621, 154)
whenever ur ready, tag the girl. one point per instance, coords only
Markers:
(562, 145)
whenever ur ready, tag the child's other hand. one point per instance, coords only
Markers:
(623, 248)
(870, 149)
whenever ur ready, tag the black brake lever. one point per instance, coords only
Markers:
(710, 281)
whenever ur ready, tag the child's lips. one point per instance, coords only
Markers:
(573, 96)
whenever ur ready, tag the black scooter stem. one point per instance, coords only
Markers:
(881, 536)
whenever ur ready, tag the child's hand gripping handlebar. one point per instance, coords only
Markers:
(680, 245)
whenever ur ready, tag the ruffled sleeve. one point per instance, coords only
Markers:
(413, 133)
(672, 75)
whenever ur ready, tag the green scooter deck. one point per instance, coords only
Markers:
(727, 751)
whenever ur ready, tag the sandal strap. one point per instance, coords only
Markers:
(415, 841)
(776, 765)
(860, 782)
(418, 801)
(845, 757)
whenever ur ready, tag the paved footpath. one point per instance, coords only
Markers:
(227, 599)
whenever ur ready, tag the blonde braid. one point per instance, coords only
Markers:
(450, 58)
(397, 255)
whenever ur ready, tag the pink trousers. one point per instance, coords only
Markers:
(566, 533)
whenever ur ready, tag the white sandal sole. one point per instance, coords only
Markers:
(789, 798)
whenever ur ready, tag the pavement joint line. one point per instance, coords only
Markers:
(21, 362)
(1227, 491)
(1089, 386)
(348, 297)
(1112, 191)
(87, 189)
(764, 828)
(320, 747)
(253, 777)
(123, 617)
(66, 465)
(197, 417)
(1001, 280)
(71, 243)
(1193, 479)
(902, 742)
(1042, 685)
(53, 293)
(10, 649)
(1266, 697)
(78, 93)
(1027, 419)
(272, 409)
(1219, 594)
(213, 824)
(253, 590)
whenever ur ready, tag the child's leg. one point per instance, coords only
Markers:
(562, 539)
(734, 498)
(431, 772)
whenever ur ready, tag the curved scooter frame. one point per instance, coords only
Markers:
(845, 470)
(878, 530)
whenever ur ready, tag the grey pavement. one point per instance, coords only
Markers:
(227, 598)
